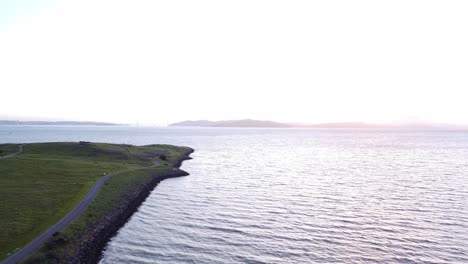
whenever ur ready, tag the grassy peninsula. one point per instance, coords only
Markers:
(44, 181)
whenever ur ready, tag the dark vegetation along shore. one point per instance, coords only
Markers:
(43, 182)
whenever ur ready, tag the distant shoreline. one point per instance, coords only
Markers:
(57, 123)
(250, 123)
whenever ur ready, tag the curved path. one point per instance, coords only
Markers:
(32, 246)
(20, 150)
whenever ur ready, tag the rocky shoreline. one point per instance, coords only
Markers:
(89, 247)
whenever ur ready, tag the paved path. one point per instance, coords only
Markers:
(20, 149)
(34, 245)
(23, 253)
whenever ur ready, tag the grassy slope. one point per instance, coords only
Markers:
(112, 192)
(47, 180)
(109, 195)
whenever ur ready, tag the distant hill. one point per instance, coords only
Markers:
(357, 125)
(338, 125)
(258, 123)
(57, 123)
(230, 123)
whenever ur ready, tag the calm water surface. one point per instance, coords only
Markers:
(294, 196)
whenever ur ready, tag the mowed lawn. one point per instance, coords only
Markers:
(42, 184)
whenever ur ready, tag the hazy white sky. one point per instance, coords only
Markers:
(293, 61)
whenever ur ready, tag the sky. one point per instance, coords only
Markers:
(158, 62)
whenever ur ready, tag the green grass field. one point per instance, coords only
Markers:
(44, 182)
(111, 193)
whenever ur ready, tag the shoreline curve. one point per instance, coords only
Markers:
(92, 250)
(97, 237)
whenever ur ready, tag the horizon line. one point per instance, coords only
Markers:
(344, 124)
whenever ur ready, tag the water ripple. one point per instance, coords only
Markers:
(295, 196)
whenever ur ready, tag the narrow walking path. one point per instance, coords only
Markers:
(20, 150)
(35, 244)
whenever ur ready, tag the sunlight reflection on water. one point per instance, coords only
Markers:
(295, 196)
